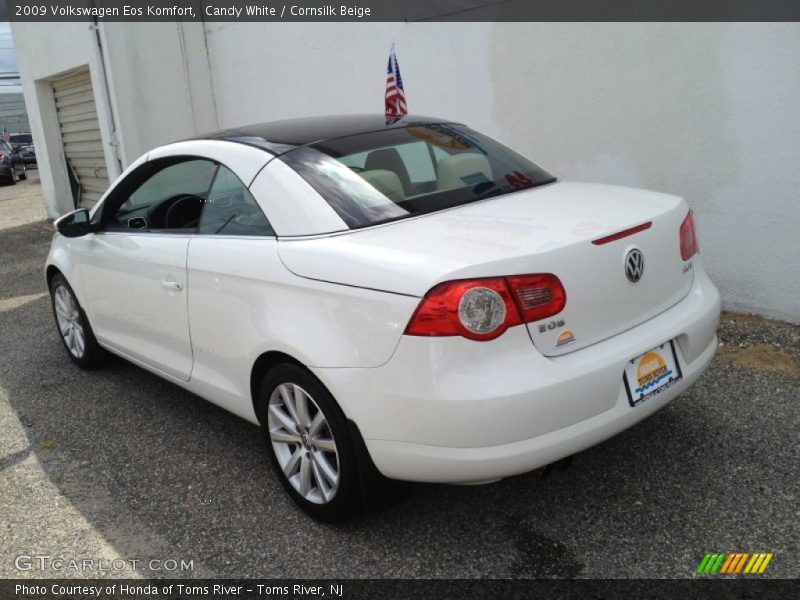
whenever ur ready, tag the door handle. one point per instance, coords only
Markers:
(176, 286)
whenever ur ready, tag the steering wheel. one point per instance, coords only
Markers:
(180, 199)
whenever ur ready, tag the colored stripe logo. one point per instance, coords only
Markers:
(734, 563)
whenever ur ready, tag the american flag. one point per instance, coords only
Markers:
(395, 96)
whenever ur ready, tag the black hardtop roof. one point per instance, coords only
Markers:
(278, 137)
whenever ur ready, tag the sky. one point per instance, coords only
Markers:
(8, 61)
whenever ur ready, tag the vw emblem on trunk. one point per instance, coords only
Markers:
(634, 265)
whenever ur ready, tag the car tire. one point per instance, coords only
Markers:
(73, 327)
(12, 179)
(24, 175)
(309, 443)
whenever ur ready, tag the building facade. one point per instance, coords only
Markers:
(707, 111)
(13, 114)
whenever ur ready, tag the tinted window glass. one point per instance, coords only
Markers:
(21, 138)
(231, 210)
(396, 173)
(171, 198)
(355, 161)
(417, 161)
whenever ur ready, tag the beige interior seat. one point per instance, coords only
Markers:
(386, 182)
(389, 159)
(463, 170)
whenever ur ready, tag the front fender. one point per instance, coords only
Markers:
(61, 258)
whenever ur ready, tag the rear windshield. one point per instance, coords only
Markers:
(396, 173)
(21, 138)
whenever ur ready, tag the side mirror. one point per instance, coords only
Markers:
(74, 224)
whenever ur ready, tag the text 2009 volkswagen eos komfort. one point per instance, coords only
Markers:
(405, 301)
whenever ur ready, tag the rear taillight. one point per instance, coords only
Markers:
(539, 296)
(2, 155)
(478, 309)
(688, 237)
(482, 309)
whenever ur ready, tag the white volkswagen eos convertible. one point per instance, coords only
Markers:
(406, 301)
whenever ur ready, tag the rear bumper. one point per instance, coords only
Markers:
(453, 411)
(417, 462)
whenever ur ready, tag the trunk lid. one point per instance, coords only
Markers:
(542, 230)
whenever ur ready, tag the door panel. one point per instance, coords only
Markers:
(135, 288)
(232, 284)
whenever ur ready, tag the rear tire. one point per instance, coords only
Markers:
(309, 443)
(24, 175)
(73, 327)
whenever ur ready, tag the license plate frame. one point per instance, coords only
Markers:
(665, 372)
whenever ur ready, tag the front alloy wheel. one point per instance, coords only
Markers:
(69, 321)
(73, 326)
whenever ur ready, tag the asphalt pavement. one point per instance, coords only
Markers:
(118, 464)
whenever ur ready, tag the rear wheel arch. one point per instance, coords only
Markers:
(329, 491)
(262, 364)
(376, 490)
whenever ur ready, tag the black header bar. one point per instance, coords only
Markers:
(389, 589)
(402, 10)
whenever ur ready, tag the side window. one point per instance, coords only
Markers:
(171, 198)
(231, 210)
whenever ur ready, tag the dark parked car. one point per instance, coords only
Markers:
(12, 165)
(23, 143)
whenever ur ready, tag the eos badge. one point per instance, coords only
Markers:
(544, 327)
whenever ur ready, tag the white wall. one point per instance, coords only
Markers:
(45, 50)
(155, 89)
(160, 82)
(707, 111)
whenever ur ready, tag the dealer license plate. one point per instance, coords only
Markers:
(651, 373)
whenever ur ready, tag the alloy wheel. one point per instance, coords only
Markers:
(303, 443)
(69, 321)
